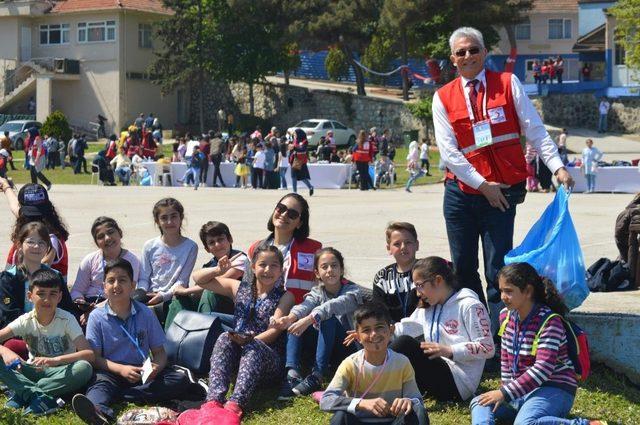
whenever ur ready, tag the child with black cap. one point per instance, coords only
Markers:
(32, 204)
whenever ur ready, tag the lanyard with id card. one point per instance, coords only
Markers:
(481, 129)
(147, 367)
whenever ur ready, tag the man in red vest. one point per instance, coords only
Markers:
(479, 119)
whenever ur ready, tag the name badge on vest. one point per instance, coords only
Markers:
(305, 261)
(482, 133)
(496, 115)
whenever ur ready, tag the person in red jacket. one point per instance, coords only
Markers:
(479, 119)
(363, 153)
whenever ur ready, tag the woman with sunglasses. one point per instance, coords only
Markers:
(455, 329)
(289, 227)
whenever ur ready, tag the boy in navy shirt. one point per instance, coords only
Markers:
(127, 340)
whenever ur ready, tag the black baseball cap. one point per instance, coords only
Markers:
(34, 201)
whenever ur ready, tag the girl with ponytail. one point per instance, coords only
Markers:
(537, 386)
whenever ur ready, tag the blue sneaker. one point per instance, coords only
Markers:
(308, 386)
(16, 402)
(41, 405)
(292, 379)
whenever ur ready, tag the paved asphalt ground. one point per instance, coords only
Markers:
(350, 220)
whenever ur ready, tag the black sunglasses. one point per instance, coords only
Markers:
(463, 52)
(289, 212)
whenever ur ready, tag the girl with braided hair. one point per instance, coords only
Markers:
(255, 347)
(537, 386)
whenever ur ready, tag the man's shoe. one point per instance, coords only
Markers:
(309, 385)
(86, 410)
(41, 405)
(311, 192)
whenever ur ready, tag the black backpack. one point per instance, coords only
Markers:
(606, 276)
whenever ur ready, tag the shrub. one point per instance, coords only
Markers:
(56, 125)
(336, 64)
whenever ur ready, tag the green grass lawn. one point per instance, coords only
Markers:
(606, 395)
(66, 176)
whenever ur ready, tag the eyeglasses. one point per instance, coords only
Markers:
(33, 243)
(419, 284)
(289, 212)
(463, 52)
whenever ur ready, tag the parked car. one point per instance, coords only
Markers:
(316, 128)
(18, 131)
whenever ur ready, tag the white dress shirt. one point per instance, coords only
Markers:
(530, 125)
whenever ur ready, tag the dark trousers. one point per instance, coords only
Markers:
(433, 377)
(52, 159)
(470, 218)
(106, 388)
(216, 159)
(363, 172)
(345, 418)
(80, 163)
(256, 177)
(544, 175)
(35, 175)
(204, 171)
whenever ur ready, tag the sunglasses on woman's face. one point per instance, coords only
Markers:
(463, 52)
(289, 212)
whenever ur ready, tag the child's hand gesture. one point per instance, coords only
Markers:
(494, 397)
(225, 263)
(401, 406)
(298, 328)
(350, 338)
(40, 362)
(376, 406)
(284, 322)
(435, 350)
(132, 374)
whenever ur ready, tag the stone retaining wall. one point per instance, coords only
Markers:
(285, 106)
(581, 110)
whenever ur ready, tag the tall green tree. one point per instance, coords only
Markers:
(347, 24)
(182, 54)
(397, 21)
(627, 14)
(249, 41)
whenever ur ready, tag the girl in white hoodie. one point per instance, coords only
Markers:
(455, 329)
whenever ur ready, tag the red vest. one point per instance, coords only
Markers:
(364, 154)
(301, 278)
(503, 160)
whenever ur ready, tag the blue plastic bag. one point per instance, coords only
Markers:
(553, 249)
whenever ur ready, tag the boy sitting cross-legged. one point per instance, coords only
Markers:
(127, 340)
(374, 385)
(59, 355)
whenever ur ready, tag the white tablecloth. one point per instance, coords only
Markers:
(609, 179)
(323, 176)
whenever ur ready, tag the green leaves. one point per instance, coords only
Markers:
(627, 14)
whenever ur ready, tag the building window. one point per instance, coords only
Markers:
(620, 54)
(523, 31)
(96, 32)
(559, 29)
(144, 36)
(54, 34)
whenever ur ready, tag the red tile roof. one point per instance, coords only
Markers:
(70, 6)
